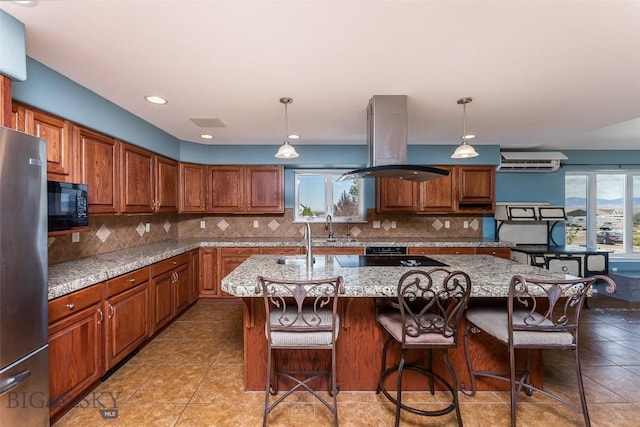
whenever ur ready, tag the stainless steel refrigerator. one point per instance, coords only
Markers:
(24, 363)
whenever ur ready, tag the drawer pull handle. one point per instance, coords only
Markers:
(71, 306)
(101, 316)
(132, 280)
(175, 262)
(111, 311)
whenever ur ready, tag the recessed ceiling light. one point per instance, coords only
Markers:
(294, 136)
(206, 136)
(155, 99)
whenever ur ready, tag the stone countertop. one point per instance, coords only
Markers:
(489, 275)
(71, 276)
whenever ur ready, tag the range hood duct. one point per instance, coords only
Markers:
(387, 142)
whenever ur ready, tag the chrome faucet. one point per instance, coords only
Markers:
(329, 226)
(307, 235)
(348, 230)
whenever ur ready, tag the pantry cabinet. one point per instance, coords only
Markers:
(245, 189)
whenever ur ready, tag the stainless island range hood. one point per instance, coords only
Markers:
(387, 142)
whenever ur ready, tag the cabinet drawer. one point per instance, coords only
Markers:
(422, 251)
(233, 252)
(499, 252)
(74, 302)
(169, 264)
(457, 251)
(281, 251)
(126, 281)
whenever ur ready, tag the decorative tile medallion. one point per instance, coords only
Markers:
(140, 229)
(223, 225)
(103, 233)
(273, 225)
(437, 224)
(167, 226)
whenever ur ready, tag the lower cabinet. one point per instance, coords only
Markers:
(126, 310)
(466, 250)
(169, 289)
(75, 346)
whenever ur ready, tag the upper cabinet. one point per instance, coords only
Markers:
(137, 174)
(245, 189)
(58, 134)
(166, 175)
(467, 189)
(193, 179)
(476, 189)
(99, 169)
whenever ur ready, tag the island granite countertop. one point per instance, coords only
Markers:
(490, 276)
(71, 276)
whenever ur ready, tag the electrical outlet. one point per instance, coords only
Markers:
(202, 225)
(447, 224)
(465, 224)
(393, 224)
(147, 227)
(75, 237)
(376, 224)
(256, 224)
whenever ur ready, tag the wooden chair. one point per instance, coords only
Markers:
(301, 315)
(425, 316)
(540, 314)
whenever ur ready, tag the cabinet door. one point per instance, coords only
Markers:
(162, 306)
(127, 323)
(57, 133)
(75, 355)
(18, 117)
(166, 185)
(138, 188)
(439, 195)
(226, 189)
(264, 189)
(429, 250)
(181, 285)
(192, 187)
(99, 169)
(208, 272)
(397, 195)
(476, 184)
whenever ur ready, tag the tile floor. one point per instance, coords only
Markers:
(191, 375)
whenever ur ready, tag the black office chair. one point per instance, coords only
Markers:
(425, 316)
(540, 314)
(301, 315)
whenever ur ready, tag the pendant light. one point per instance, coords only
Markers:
(464, 150)
(286, 151)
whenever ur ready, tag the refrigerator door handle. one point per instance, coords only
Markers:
(14, 381)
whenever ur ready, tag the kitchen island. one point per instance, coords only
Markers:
(361, 339)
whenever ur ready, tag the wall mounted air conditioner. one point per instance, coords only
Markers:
(530, 161)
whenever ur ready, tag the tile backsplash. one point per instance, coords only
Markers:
(114, 232)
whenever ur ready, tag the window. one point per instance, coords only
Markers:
(318, 194)
(603, 211)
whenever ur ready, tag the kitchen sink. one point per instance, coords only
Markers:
(293, 261)
(335, 240)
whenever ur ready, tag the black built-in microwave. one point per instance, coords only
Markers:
(68, 205)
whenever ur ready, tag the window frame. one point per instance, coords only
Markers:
(329, 175)
(591, 210)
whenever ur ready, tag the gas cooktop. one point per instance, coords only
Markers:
(387, 261)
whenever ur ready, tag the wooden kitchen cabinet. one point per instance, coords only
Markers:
(169, 289)
(422, 250)
(127, 319)
(18, 117)
(208, 264)
(75, 345)
(499, 252)
(245, 189)
(138, 183)
(58, 134)
(194, 276)
(434, 196)
(99, 169)
(193, 180)
(339, 250)
(166, 180)
(476, 189)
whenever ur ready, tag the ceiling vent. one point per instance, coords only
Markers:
(530, 161)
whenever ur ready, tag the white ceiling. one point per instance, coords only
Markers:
(542, 74)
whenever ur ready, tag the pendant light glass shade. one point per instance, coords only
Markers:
(464, 150)
(286, 150)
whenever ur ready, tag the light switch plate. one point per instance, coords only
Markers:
(376, 224)
(256, 224)
(393, 224)
(201, 224)
(75, 237)
(147, 227)
(447, 224)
